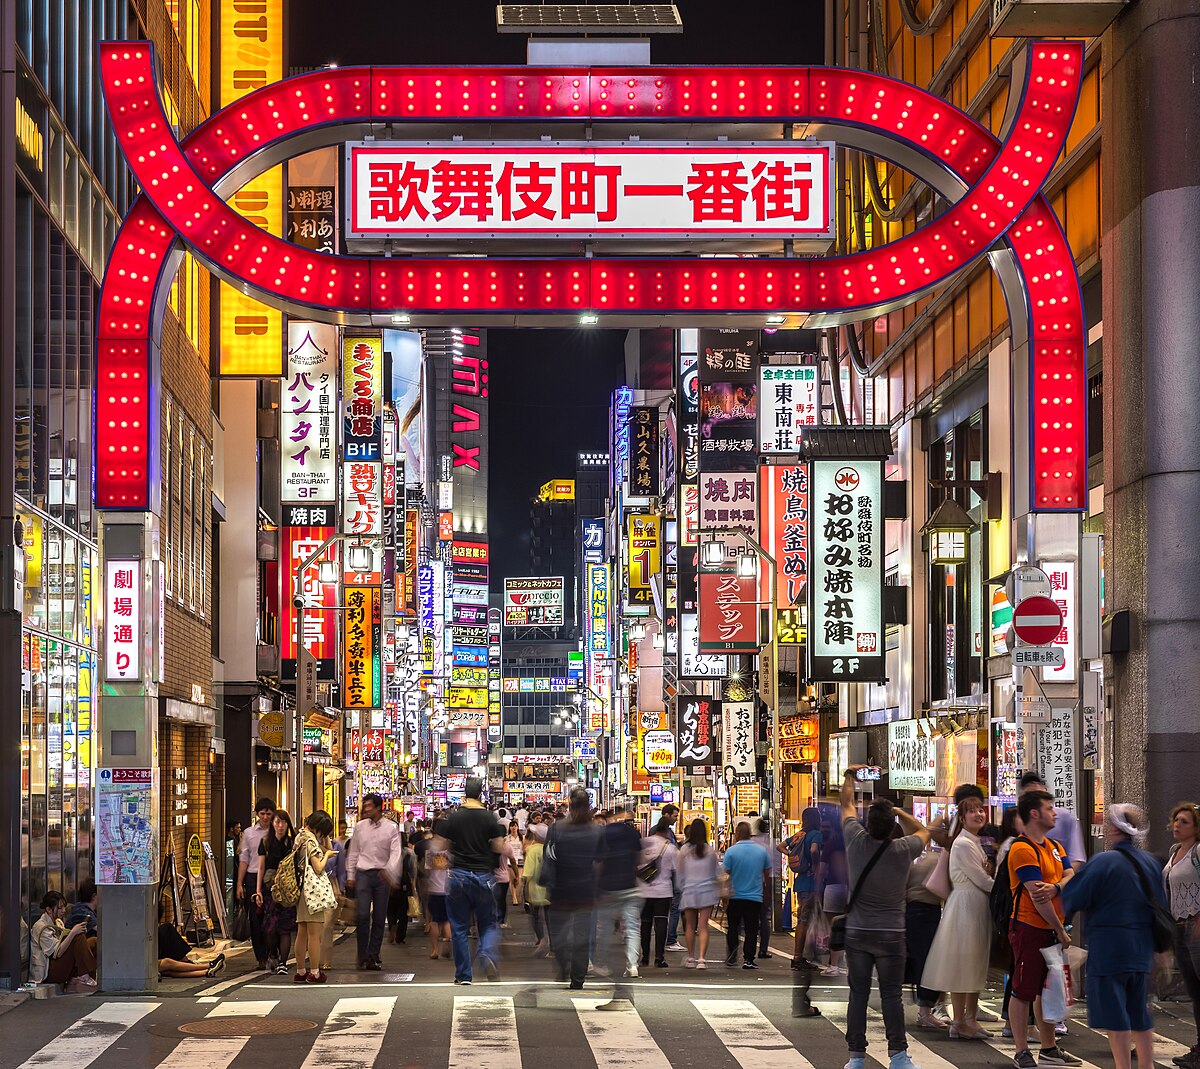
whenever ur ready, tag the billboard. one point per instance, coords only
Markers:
(789, 399)
(585, 190)
(533, 602)
(307, 427)
(784, 503)
(599, 606)
(645, 556)
(361, 678)
(320, 628)
(845, 635)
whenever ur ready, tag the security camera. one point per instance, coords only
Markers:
(298, 601)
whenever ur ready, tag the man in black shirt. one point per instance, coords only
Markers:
(476, 838)
(619, 898)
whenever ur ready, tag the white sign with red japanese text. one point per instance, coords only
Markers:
(362, 497)
(122, 620)
(307, 428)
(587, 190)
(845, 631)
(1062, 592)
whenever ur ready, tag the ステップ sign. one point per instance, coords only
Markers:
(582, 190)
(845, 634)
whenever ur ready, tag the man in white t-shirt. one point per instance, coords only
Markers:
(522, 818)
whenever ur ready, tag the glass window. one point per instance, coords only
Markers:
(37, 767)
(23, 320)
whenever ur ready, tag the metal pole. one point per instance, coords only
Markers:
(776, 762)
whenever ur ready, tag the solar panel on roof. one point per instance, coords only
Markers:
(590, 18)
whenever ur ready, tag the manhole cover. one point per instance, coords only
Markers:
(246, 1026)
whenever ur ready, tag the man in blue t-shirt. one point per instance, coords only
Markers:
(745, 861)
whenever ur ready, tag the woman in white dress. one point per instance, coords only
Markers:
(958, 959)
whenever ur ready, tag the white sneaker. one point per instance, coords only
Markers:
(677, 946)
(690, 963)
(701, 963)
(632, 972)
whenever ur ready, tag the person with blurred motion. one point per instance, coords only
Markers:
(247, 875)
(745, 862)
(878, 865)
(670, 813)
(619, 901)
(1117, 892)
(372, 870)
(696, 873)
(575, 845)
(537, 900)
(922, 914)
(1038, 869)
(655, 875)
(435, 859)
(507, 876)
(279, 921)
(316, 905)
(335, 869)
(1181, 878)
(958, 959)
(803, 852)
(476, 838)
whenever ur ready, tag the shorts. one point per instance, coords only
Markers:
(1119, 1003)
(805, 906)
(437, 909)
(1029, 967)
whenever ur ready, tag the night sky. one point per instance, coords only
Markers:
(549, 388)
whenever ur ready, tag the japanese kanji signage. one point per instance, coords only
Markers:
(320, 628)
(312, 217)
(912, 757)
(728, 430)
(845, 641)
(1055, 746)
(122, 620)
(592, 536)
(728, 613)
(729, 499)
(362, 397)
(696, 717)
(737, 742)
(362, 497)
(785, 529)
(582, 190)
(789, 399)
(645, 555)
(658, 751)
(728, 355)
(1062, 592)
(643, 461)
(692, 663)
(599, 597)
(307, 431)
(533, 602)
(360, 680)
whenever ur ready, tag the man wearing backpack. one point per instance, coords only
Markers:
(804, 859)
(1038, 869)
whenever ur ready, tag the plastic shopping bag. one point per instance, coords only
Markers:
(817, 942)
(1056, 994)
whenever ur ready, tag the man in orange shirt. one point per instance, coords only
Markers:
(1038, 868)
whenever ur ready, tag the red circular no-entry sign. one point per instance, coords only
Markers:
(1037, 621)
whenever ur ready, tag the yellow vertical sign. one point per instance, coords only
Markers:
(251, 57)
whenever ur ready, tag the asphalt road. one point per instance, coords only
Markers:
(411, 1016)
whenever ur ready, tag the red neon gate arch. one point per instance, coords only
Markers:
(994, 186)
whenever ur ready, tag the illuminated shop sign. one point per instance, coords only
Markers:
(643, 448)
(532, 602)
(307, 431)
(122, 620)
(845, 639)
(593, 541)
(644, 190)
(645, 556)
(599, 595)
(361, 670)
(789, 399)
(785, 528)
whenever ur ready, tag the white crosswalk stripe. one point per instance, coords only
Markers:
(216, 1052)
(353, 1034)
(619, 1039)
(80, 1044)
(877, 1044)
(483, 1033)
(753, 1041)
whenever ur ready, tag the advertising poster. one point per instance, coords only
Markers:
(729, 426)
(533, 602)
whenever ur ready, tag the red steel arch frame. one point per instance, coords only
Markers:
(993, 186)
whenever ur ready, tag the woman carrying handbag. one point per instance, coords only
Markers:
(317, 900)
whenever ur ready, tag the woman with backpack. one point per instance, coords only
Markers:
(804, 859)
(279, 921)
(958, 959)
(1120, 892)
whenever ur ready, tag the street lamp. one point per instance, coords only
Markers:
(944, 535)
(359, 557)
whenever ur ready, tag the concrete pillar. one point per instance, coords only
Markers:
(1151, 255)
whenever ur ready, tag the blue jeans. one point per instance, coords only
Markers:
(371, 892)
(673, 920)
(625, 906)
(467, 894)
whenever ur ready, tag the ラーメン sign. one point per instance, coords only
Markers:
(591, 190)
(845, 633)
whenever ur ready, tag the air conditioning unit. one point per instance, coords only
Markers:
(1053, 18)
